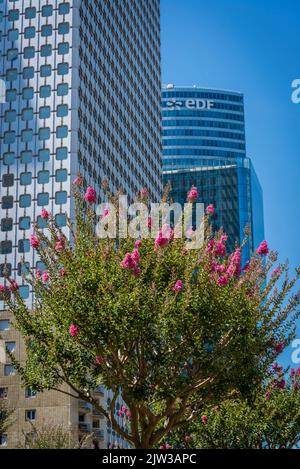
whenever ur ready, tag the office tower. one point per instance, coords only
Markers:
(204, 145)
(82, 94)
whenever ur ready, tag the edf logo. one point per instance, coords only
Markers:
(190, 104)
(296, 93)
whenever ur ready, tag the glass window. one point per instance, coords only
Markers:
(30, 13)
(61, 175)
(13, 34)
(25, 200)
(43, 177)
(9, 370)
(27, 93)
(12, 54)
(4, 324)
(24, 291)
(29, 52)
(6, 224)
(41, 223)
(45, 91)
(61, 219)
(3, 393)
(41, 266)
(10, 116)
(61, 197)
(61, 153)
(63, 28)
(28, 73)
(5, 247)
(7, 202)
(25, 179)
(43, 198)
(5, 269)
(7, 180)
(13, 15)
(27, 114)
(8, 158)
(23, 268)
(27, 135)
(44, 155)
(46, 30)
(63, 48)
(9, 136)
(44, 112)
(46, 50)
(26, 156)
(30, 393)
(62, 131)
(62, 110)
(29, 32)
(10, 346)
(62, 89)
(64, 8)
(44, 133)
(24, 223)
(47, 10)
(45, 70)
(11, 95)
(11, 74)
(23, 245)
(30, 414)
(63, 68)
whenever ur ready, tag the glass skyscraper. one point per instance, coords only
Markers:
(204, 145)
(82, 94)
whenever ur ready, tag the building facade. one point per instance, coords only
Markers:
(82, 94)
(204, 145)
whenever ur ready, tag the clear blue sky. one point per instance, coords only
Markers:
(250, 46)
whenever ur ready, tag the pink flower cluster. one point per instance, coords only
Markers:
(59, 245)
(165, 446)
(73, 330)
(124, 412)
(204, 419)
(192, 194)
(164, 237)
(99, 360)
(90, 195)
(263, 248)
(210, 209)
(34, 242)
(131, 260)
(45, 214)
(178, 286)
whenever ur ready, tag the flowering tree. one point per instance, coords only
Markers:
(270, 419)
(5, 417)
(168, 329)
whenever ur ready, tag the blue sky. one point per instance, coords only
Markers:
(250, 46)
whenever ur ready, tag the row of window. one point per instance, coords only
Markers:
(26, 156)
(44, 92)
(23, 267)
(27, 114)
(202, 94)
(25, 201)
(45, 71)
(30, 31)
(31, 12)
(27, 135)
(43, 177)
(45, 51)
(25, 224)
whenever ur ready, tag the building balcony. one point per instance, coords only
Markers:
(84, 427)
(83, 405)
(99, 390)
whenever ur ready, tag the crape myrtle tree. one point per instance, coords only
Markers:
(269, 419)
(168, 329)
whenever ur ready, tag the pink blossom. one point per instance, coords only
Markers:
(149, 222)
(246, 266)
(105, 212)
(192, 194)
(136, 271)
(275, 366)
(220, 249)
(59, 245)
(120, 413)
(73, 329)
(263, 248)
(99, 360)
(210, 245)
(267, 395)
(210, 209)
(2, 288)
(143, 193)
(165, 235)
(45, 214)
(127, 262)
(38, 273)
(297, 372)
(223, 280)
(13, 286)
(77, 181)
(224, 238)
(281, 384)
(62, 271)
(292, 372)
(276, 271)
(204, 419)
(45, 276)
(178, 285)
(279, 347)
(90, 195)
(234, 268)
(135, 255)
(34, 242)
(128, 414)
(138, 243)
(168, 446)
(221, 268)
(123, 408)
